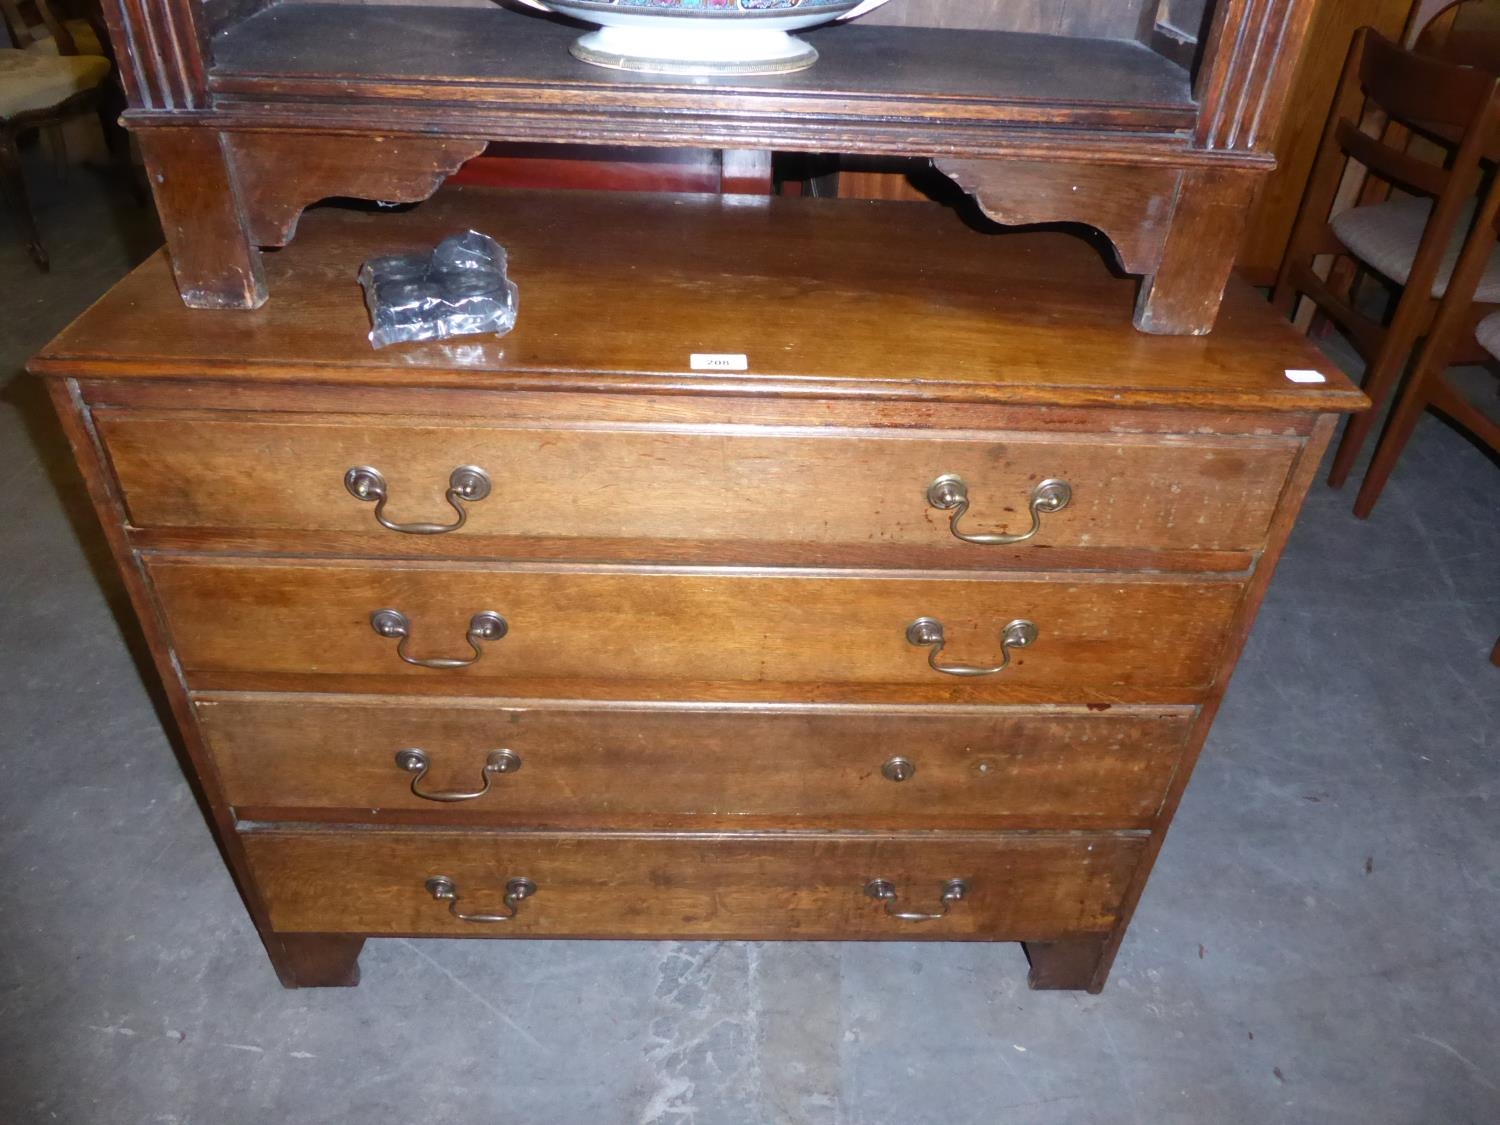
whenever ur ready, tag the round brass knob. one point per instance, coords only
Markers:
(898, 769)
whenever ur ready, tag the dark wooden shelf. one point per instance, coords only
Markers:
(510, 75)
(247, 111)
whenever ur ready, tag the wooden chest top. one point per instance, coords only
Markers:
(886, 301)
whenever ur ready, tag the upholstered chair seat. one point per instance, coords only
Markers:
(32, 80)
(1385, 236)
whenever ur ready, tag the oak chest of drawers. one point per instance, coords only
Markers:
(912, 630)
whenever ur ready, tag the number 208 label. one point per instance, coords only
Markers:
(720, 361)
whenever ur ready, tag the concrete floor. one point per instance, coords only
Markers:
(1317, 945)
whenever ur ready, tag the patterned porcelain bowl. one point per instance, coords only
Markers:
(701, 36)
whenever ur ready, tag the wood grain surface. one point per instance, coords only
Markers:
(766, 886)
(926, 310)
(1099, 634)
(491, 59)
(333, 758)
(285, 472)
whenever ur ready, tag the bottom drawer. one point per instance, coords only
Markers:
(1018, 887)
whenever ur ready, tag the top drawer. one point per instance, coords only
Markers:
(672, 493)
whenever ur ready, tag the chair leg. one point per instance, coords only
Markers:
(1380, 379)
(13, 185)
(1398, 430)
(57, 145)
(1495, 656)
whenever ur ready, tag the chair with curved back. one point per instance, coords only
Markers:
(55, 34)
(44, 81)
(1462, 331)
(1466, 32)
(1412, 240)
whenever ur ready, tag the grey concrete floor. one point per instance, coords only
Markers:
(1317, 945)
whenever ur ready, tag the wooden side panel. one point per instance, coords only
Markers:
(1286, 517)
(726, 886)
(296, 963)
(1098, 635)
(631, 767)
(286, 473)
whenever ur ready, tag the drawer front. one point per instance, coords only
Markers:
(1094, 636)
(375, 881)
(635, 767)
(861, 490)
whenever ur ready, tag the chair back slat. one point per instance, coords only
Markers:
(1479, 49)
(1419, 90)
(1457, 105)
(23, 34)
(1466, 32)
(1392, 164)
(59, 29)
(15, 24)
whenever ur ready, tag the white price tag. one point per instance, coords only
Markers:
(1306, 376)
(715, 361)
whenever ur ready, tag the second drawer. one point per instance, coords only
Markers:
(687, 634)
(469, 761)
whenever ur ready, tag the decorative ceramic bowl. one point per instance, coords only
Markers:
(701, 36)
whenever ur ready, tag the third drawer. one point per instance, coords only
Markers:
(466, 761)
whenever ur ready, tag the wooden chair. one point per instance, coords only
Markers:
(1462, 331)
(1414, 241)
(54, 35)
(1466, 32)
(42, 85)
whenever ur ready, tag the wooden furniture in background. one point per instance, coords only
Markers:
(246, 113)
(1277, 196)
(35, 25)
(1466, 32)
(44, 82)
(762, 673)
(1463, 330)
(1413, 240)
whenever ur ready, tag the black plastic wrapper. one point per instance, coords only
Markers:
(460, 289)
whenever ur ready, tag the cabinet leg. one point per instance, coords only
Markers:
(216, 264)
(1181, 296)
(1080, 963)
(315, 960)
